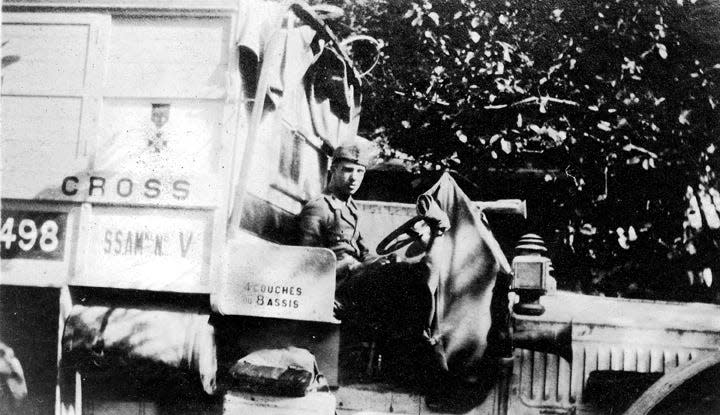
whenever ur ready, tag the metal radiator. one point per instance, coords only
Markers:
(548, 380)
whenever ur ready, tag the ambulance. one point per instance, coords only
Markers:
(155, 154)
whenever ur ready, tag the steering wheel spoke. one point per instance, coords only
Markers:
(400, 237)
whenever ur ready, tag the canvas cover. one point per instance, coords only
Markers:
(465, 264)
(153, 344)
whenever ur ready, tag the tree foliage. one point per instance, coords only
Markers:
(615, 102)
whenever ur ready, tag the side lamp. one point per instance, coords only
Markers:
(531, 275)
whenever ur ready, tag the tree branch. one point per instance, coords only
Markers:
(532, 100)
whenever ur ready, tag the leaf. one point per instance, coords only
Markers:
(507, 48)
(475, 22)
(662, 50)
(519, 120)
(557, 136)
(588, 229)
(604, 125)
(683, 117)
(434, 17)
(632, 235)
(554, 68)
(494, 138)
(503, 19)
(661, 30)
(408, 14)
(505, 146)
(556, 14)
(543, 105)
(622, 239)
(474, 36)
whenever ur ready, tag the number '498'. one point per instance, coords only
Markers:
(28, 234)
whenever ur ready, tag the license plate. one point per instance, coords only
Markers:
(32, 234)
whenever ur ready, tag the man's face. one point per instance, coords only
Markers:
(346, 177)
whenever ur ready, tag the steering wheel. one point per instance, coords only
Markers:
(400, 237)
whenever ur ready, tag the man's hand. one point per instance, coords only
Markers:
(346, 265)
(378, 261)
(430, 210)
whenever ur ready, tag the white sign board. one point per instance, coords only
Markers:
(148, 250)
(277, 281)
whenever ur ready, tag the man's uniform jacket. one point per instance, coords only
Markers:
(329, 222)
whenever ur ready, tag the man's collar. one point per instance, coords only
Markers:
(333, 200)
(352, 206)
(338, 203)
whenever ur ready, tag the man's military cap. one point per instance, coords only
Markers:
(356, 151)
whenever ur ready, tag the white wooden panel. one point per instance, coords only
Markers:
(191, 137)
(51, 100)
(134, 155)
(40, 143)
(314, 403)
(277, 281)
(51, 58)
(147, 249)
(168, 57)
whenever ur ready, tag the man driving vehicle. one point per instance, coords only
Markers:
(389, 296)
(331, 220)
